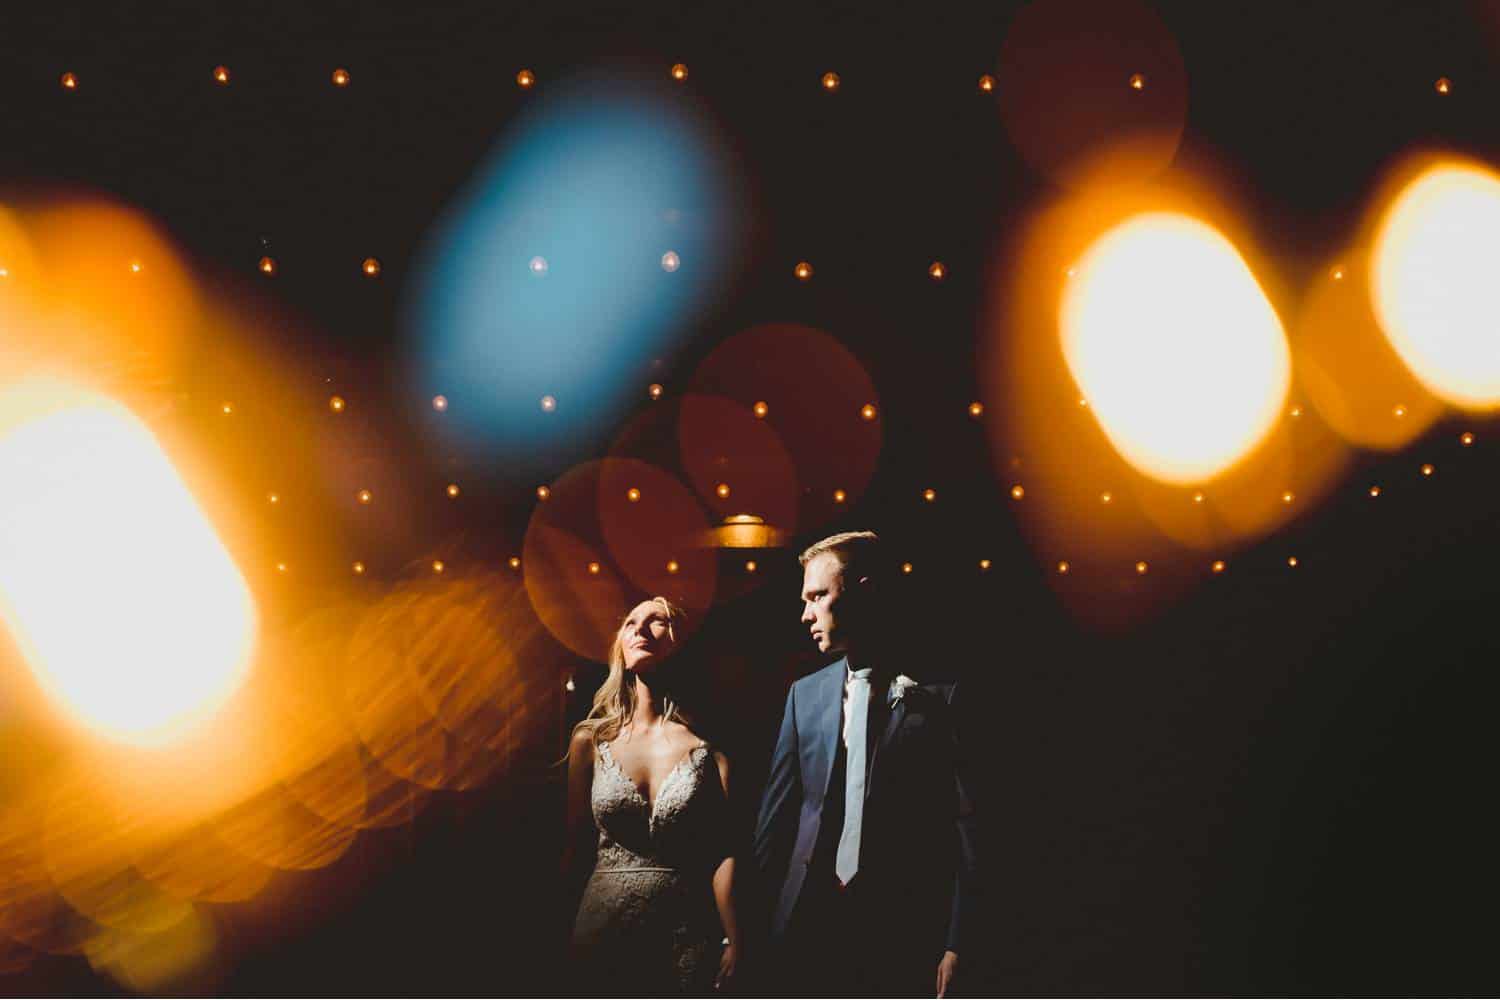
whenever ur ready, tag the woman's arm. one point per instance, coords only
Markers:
(579, 840)
(724, 893)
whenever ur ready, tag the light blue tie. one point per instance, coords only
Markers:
(857, 710)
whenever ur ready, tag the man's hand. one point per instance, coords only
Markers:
(728, 966)
(947, 969)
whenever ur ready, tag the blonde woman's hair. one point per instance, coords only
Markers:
(614, 702)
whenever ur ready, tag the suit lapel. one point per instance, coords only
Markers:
(830, 718)
(893, 716)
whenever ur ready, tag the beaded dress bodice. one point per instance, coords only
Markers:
(649, 902)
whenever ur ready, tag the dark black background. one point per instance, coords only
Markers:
(1280, 783)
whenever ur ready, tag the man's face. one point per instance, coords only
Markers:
(826, 607)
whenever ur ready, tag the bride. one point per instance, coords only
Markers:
(660, 897)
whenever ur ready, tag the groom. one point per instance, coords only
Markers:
(866, 837)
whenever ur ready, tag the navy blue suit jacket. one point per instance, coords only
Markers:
(918, 838)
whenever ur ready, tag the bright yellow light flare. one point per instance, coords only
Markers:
(654, 390)
(1137, 81)
(906, 567)
(867, 411)
(1427, 469)
(121, 597)
(987, 83)
(440, 403)
(515, 562)
(371, 266)
(679, 71)
(722, 490)
(453, 490)
(1063, 567)
(341, 78)
(221, 74)
(525, 78)
(1141, 568)
(268, 265)
(1218, 566)
(69, 81)
(937, 271)
(633, 495)
(831, 81)
(976, 409)
(760, 409)
(839, 496)
(1182, 358)
(750, 566)
(111, 289)
(984, 565)
(672, 566)
(336, 404)
(803, 270)
(1017, 491)
(929, 494)
(1433, 284)
(549, 404)
(156, 963)
(1466, 438)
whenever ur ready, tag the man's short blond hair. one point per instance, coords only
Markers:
(858, 553)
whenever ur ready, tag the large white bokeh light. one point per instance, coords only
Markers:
(120, 596)
(1436, 283)
(1181, 357)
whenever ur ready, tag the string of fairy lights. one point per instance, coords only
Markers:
(867, 414)
(830, 82)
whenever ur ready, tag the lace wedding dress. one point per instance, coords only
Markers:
(647, 923)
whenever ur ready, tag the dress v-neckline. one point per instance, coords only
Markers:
(645, 797)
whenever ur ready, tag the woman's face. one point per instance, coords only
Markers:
(646, 637)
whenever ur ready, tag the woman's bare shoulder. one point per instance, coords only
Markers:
(681, 733)
(581, 747)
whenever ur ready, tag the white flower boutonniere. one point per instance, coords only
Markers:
(899, 687)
